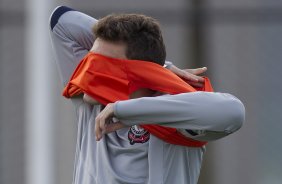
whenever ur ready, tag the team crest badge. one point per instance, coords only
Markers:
(136, 134)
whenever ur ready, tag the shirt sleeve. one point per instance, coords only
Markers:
(208, 111)
(168, 64)
(71, 38)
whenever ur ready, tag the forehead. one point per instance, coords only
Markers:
(110, 49)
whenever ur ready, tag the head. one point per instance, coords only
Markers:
(130, 36)
(139, 35)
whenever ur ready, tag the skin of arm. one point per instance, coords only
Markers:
(189, 75)
(89, 99)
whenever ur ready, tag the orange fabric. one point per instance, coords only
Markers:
(109, 80)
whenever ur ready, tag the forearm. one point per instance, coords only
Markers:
(168, 64)
(90, 100)
(196, 111)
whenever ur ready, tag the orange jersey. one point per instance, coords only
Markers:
(109, 80)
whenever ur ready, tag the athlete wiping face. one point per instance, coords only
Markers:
(114, 159)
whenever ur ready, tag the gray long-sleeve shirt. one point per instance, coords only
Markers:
(131, 155)
(207, 114)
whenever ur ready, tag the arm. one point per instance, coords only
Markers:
(90, 100)
(71, 37)
(190, 75)
(196, 111)
(215, 112)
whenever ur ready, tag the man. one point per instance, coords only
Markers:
(119, 157)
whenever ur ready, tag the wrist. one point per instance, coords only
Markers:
(115, 110)
(168, 64)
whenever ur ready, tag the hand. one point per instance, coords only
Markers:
(190, 75)
(104, 123)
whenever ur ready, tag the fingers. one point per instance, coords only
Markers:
(196, 84)
(101, 121)
(99, 127)
(183, 74)
(197, 71)
(189, 74)
(103, 127)
(114, 126)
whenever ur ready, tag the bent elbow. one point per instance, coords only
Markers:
(236, 116)
(56, 14)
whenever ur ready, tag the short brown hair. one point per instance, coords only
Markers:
(141, 34)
